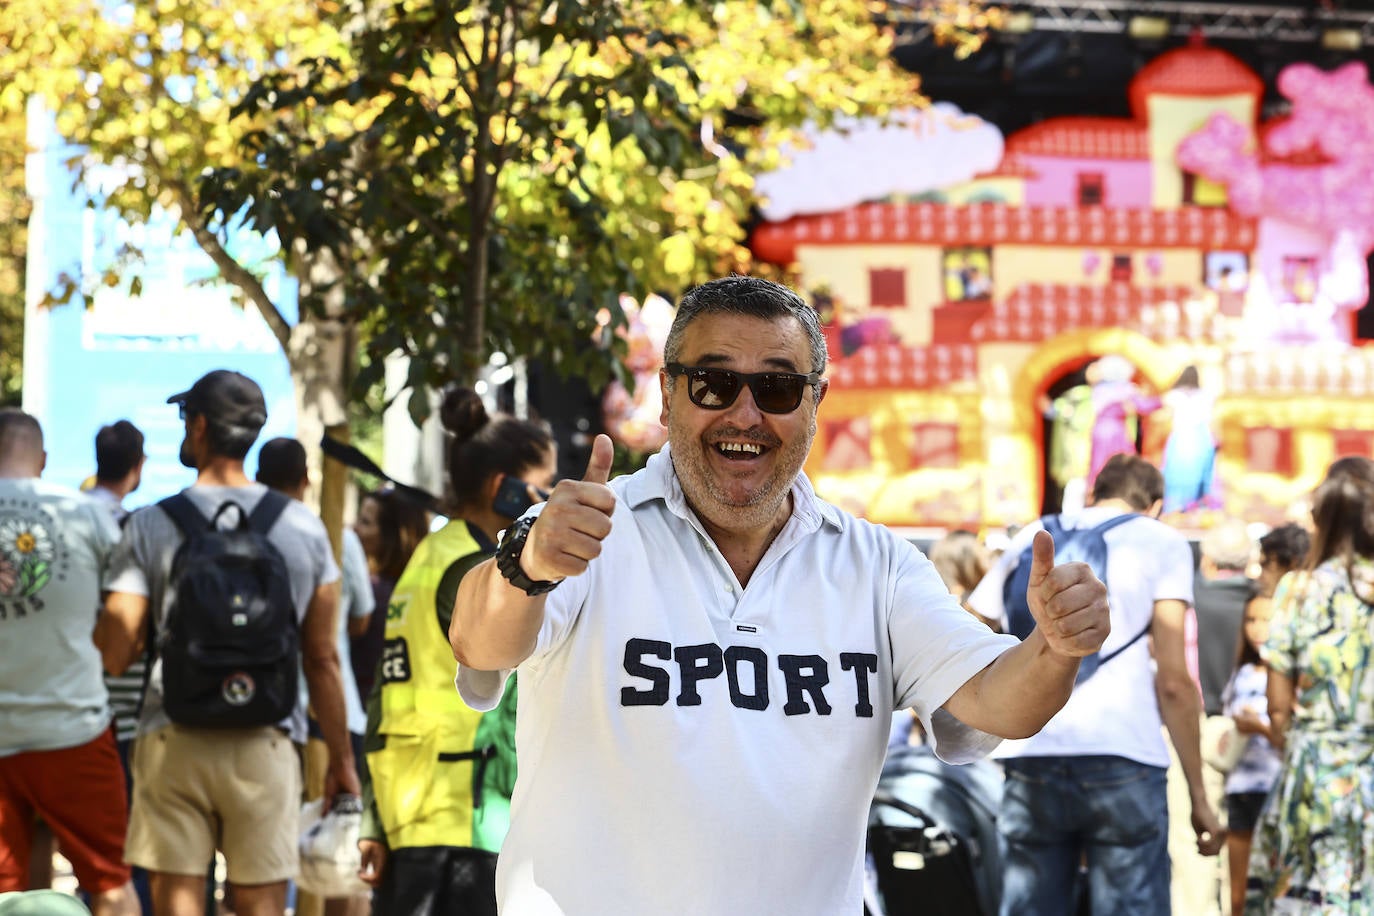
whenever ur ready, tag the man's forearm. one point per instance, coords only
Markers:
(495, 625)
(120, 631)
(1180, 708)
(116, 651)
(1019, 692)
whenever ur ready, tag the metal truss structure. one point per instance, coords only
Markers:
(1255, 22)
(1288, 22)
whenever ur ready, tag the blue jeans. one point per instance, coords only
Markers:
(1109, 813)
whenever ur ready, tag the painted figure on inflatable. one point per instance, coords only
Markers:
(1118, 404)
(1190, 451)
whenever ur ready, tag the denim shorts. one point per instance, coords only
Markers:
(1107, 813)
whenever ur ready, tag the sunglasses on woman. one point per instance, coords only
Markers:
(716, 389)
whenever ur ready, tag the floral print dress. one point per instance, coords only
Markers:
(1314, 846)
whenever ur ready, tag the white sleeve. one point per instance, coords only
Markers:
(356, 582)
(937, 647)
(1176, 565)
(481, 690)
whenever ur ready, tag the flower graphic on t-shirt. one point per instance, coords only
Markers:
(26, 555)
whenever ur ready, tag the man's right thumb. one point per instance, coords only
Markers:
(599, 465)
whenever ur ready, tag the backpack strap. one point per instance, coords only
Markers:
(184, 513)
(1054, 524)
(1109, 524)
(267, 511)
(1103, 659)
(1101, 528)
(189, 520)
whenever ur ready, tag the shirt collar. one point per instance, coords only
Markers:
(104, 495)
(659, 480)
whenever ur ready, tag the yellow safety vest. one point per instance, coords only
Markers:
(425, 776)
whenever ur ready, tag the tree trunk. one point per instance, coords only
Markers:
(320, 356)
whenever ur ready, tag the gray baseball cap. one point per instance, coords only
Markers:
(225, 398)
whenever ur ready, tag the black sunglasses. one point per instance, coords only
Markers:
(716, 389)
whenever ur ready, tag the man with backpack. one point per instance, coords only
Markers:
(234, 590)
(1089, 789)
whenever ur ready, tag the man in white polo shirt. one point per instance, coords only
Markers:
(709, 655)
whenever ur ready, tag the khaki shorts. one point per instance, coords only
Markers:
(198, 790)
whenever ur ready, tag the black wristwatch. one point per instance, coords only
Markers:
(508, 559)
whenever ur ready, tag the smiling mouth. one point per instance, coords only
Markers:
(740, 451)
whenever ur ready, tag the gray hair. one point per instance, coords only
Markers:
(751, 296)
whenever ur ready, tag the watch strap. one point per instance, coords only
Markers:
(508, 560)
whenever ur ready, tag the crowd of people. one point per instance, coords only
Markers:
(697, 670)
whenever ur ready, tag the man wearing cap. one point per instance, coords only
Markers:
(235, 790)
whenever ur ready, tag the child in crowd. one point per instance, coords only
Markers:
(962, 560)
(1248, 785)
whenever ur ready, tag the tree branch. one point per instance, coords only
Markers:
(471, 90)
(232, 270)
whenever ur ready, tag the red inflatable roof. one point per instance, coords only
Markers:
(1193, 70)
(1211, 228)
(1082, 138)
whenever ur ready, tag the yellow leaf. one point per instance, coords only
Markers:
(679, 254)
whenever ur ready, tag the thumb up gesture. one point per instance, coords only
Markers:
(1068, 602)
(575, 520)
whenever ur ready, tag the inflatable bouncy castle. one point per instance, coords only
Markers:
(1004, 313)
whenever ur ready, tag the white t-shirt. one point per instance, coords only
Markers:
(688, 746)
(54, 544)
(1116, 711)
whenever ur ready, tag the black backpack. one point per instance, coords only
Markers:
(230, 641)
(1083, 545)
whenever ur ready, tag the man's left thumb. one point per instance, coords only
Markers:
(1042, 558)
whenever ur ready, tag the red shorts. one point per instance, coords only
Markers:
(79, 791)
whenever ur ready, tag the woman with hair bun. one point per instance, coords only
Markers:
(1314, 844)
(438, 800)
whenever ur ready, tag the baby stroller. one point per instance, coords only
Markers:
(932, 837)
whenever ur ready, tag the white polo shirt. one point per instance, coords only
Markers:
(690, 746)
(1116, 711)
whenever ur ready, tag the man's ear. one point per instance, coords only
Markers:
(43, 462)
(821, 389)
(664, 381)
(1155, 509)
